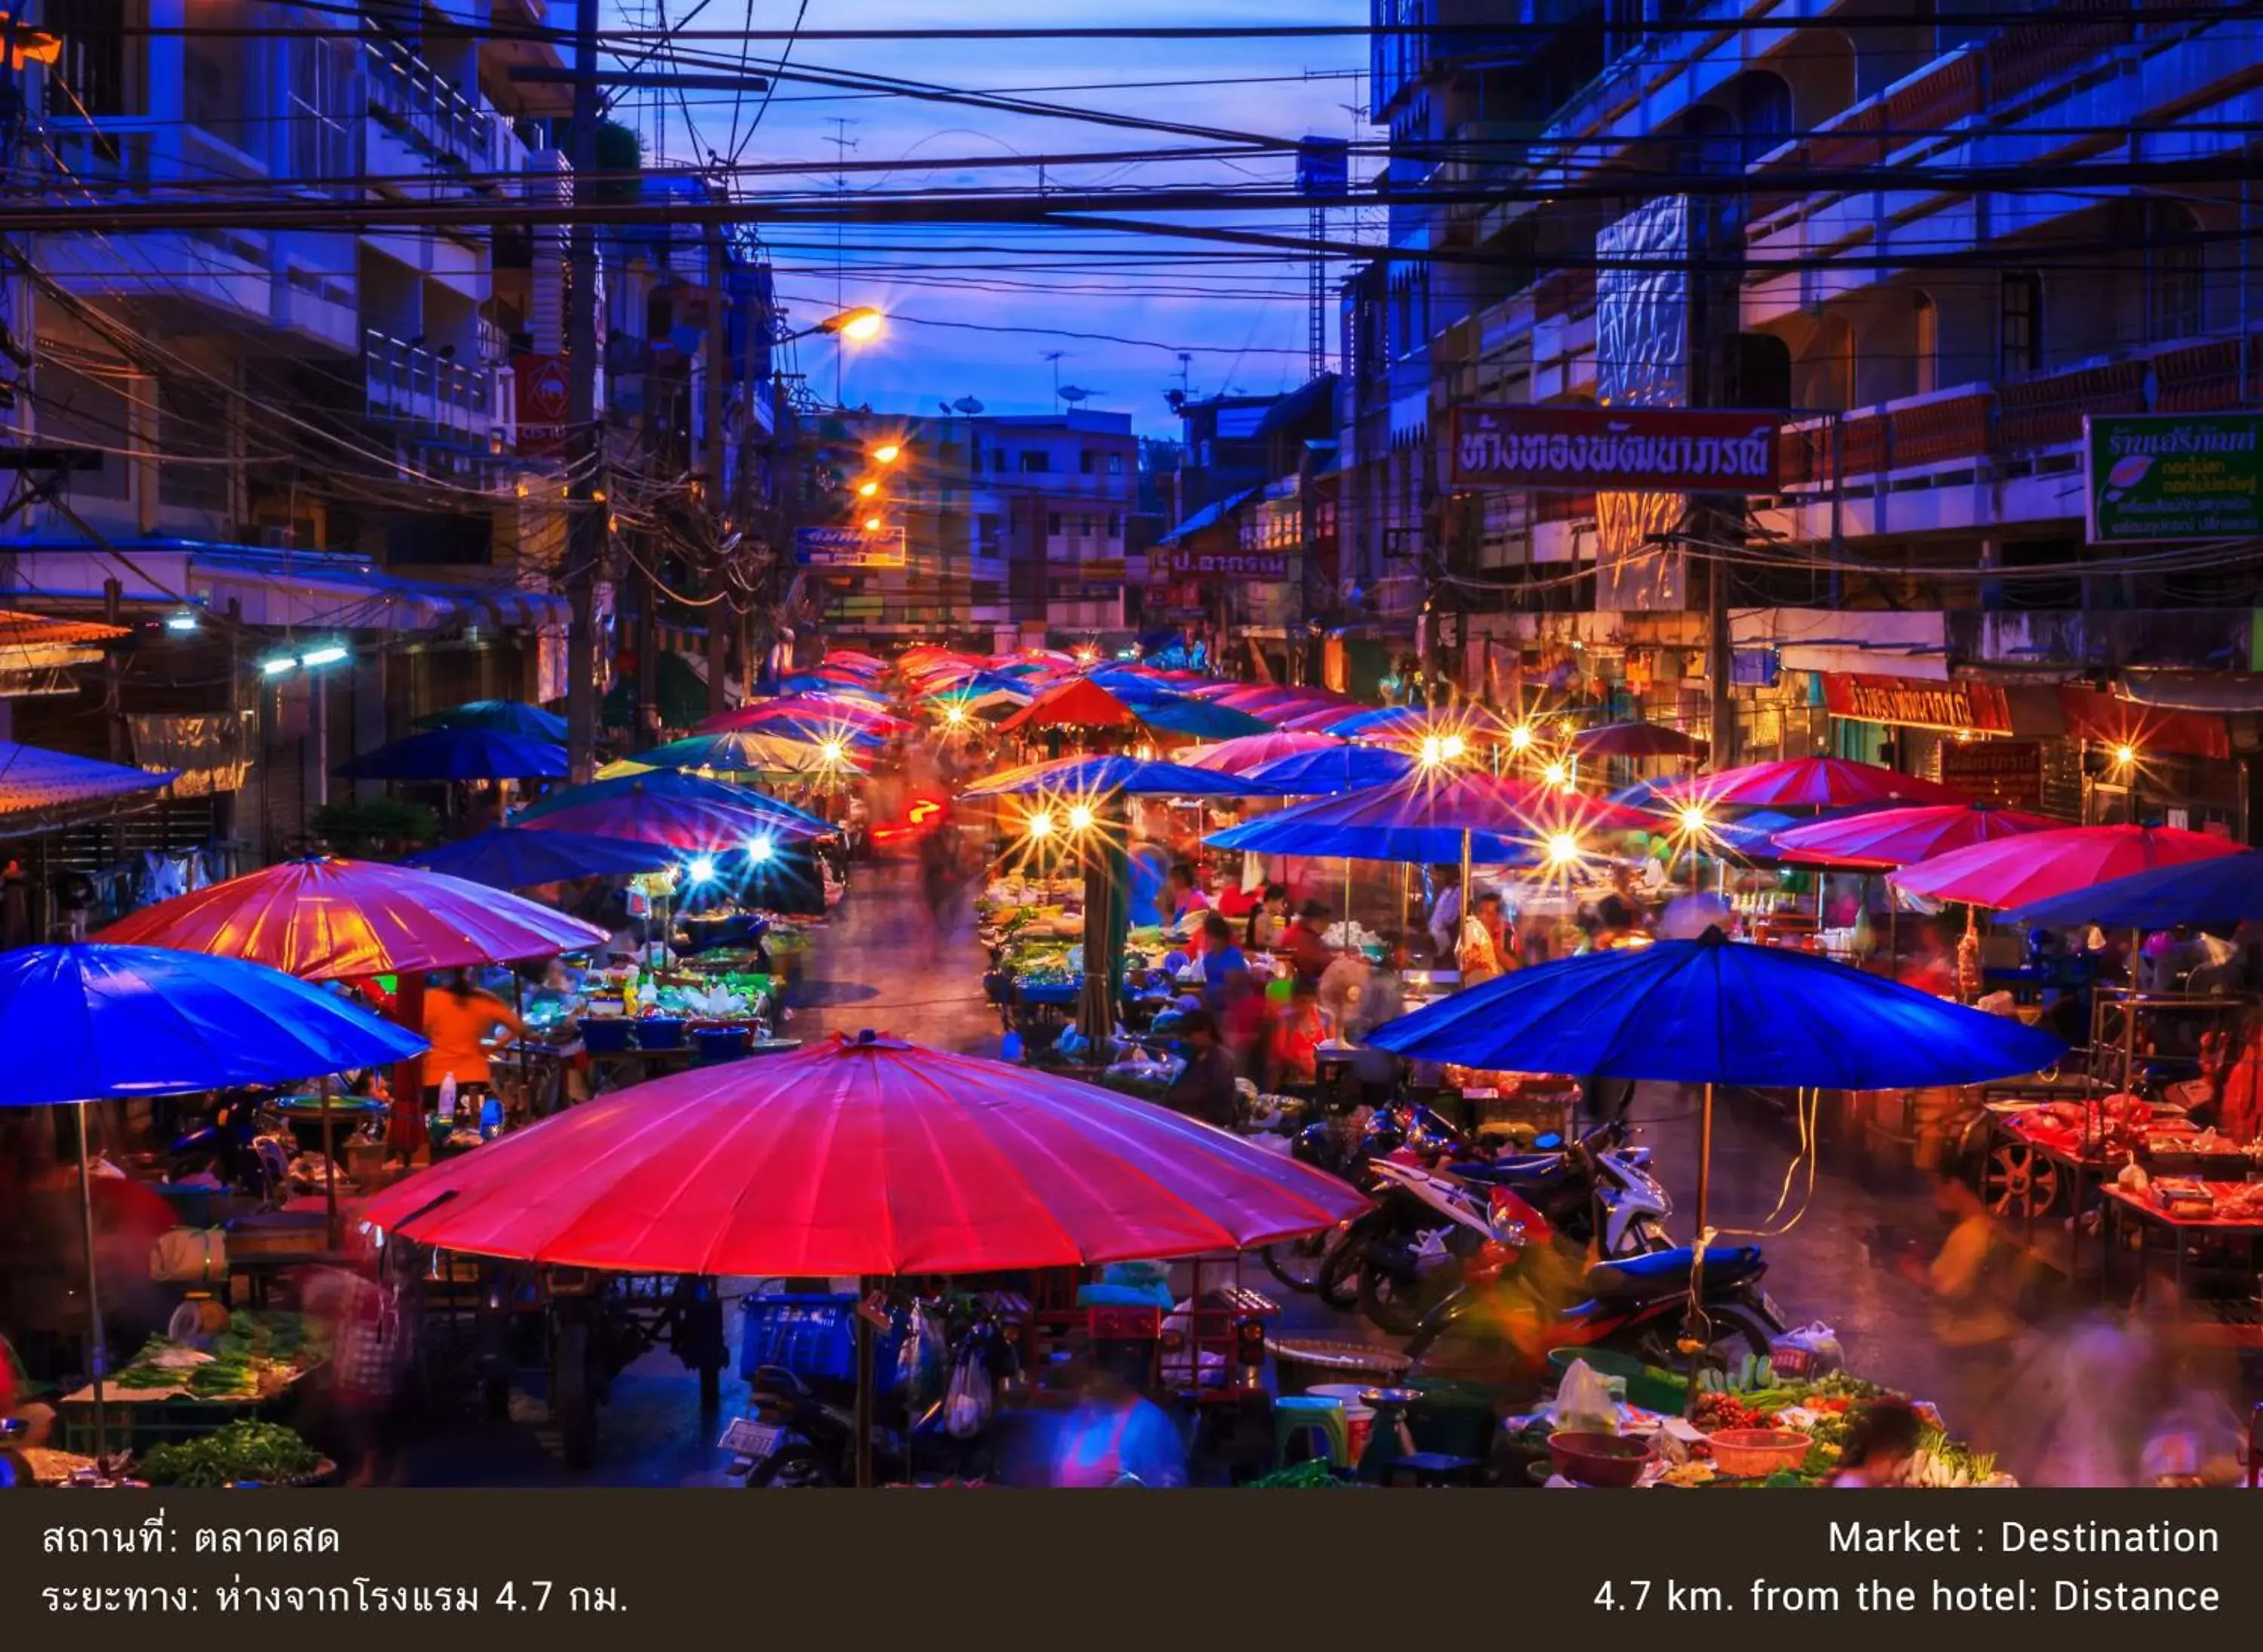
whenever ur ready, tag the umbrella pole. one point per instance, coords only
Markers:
(1467, 908)
(1705, 1160)
(864, 1407)
(330, 1172)
(96, 1357)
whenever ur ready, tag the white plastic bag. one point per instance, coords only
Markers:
(1583, 1400)
(1811, 1351)
(966, 1405)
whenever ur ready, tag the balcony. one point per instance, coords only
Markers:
(411, 385)
(408, 96)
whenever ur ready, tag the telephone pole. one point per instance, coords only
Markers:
(587, 535)
(718, 363)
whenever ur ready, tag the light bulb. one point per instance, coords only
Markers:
(702, 870)
(1041, 824)
(1692, 819)
(2125, 755)
(866, 489)
(1519, 738)
(1080, 819)
(1453, 746)
(1434, 750)
(1563, 847)
(887, 454)
(1554, 774)
(760, 849)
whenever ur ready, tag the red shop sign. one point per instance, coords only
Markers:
(1625, 450)
(1916, 703)
(1180, 563)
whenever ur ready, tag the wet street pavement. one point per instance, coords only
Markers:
(882, 965)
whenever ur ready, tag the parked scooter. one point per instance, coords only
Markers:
(1312, 1263)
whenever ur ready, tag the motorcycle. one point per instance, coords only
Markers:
(803, 1432)
(1642, 1307)
(239, 1147)
(1312, 1264)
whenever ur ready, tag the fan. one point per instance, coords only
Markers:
(1343, 994)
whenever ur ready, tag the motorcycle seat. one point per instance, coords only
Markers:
(1531, 1167)
(1665, 1271)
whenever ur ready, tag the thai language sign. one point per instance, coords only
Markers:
(1660, 450)
(848, 547)
(2156, 477)
(1917, 703)
(2006, 772)
(1180, 563)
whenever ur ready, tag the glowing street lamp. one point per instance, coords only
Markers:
(866, 489)
(833, 751)
(1556, 774)
(1080, 819)
(1520, 738)
(1040, 825)
(887, 454)
(872, 525)
(1692, 820)
(2124, 756)
(701, 869)
(1562, 849)
(955, 715)
(861, 324)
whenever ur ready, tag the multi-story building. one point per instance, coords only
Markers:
(1769, 217)
(1018, 527)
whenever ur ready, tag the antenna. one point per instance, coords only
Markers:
(1054, 356)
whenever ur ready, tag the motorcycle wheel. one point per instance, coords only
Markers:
(792, 1469)
(1299, 1263)
(1388, 1303)
(1338, 1283)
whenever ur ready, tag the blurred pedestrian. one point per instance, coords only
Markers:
(1307, 943)
(1881, 1442)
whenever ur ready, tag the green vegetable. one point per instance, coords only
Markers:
(241, 1451)
(1782, 1480)
(1311, 1476)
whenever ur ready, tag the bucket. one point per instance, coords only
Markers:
(604, 1036)
(1359, 1416)
(720, 1043)
(660, 1033)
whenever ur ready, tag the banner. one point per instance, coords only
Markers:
(1574, 449)
(848, 547)
(1914, 703)
(544, 400)
(2008, 773)
(1180, 563)
(2150, 477)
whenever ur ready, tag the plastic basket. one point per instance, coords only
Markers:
(721, 1043)
(814, 1336)
(660, 1033)
(604, 1035)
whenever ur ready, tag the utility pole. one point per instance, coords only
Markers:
(586, 532)
(718, 354)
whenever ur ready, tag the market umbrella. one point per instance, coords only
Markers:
(1248, 752)
(517, 857)
(1097, 777)
(633, 799)
(856, 659)
(33, 778)
(744, 751)
(1428, 818)
(1884, 839)
(471, 753)
(2023, 871)
(96, 1022)
(808, 711)
(1077, 703)
(1332, 768)
(500, 716)
(2218, 889)
(865, 1156)
(1637, 740)
(1714, 1011)
(1806, 782)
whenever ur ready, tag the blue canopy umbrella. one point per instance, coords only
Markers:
(2223, 889)
(92, 1023)
(1196, 719)
(502, 716)
(674, 783)
(1714, 1011)
(1415, 821)
(513, 857)
(459, 754)
(1331, 771)
(1094, 777)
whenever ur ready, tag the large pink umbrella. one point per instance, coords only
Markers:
(865, 1156)
(2035, 867)
(1887, 838)
(329, 919)
(1806, 782)
(1245, 752)
(808, 709)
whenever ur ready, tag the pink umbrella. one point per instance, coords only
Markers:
(805, 708)
(1635, 739)
(1240, 755)
(1889, 837)
(2035, 867)
(1806, 782)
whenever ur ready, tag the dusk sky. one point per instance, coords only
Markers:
(972, 323)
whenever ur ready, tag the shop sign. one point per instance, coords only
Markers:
(1971, 707)
(1641, 450)
(1178, 562)
(544, 400)
(2150, 477)
(2006, 772)
(848, 547)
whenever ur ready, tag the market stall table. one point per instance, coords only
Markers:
(2233, 1214)
(2091, 1149)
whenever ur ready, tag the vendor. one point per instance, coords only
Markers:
(1445, 913)
(1488, 945)
(1882, 1441)
(1205, 1088)
(458, 1020)
(1182, 896)
(1268, 920)
(1307, 943)
(1226, 970)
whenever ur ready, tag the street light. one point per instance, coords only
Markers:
(1080, 818)
(867, 487)
(872, 525)
(887, 454)
(1040, 825)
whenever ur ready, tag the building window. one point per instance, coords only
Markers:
(1924, 335)
(1084, 528)
(1035, 460)
(1084, 461)
(1054, 526)
(1115, 527)
(1115, 464)
(2172, 290)
(220, 82)
(2019, 325)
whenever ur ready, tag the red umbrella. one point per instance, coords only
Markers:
(331, 920)
(2016, 871)
(1078, 703)
(1245, 752)
(1889, 838)
(867, 1156)
(1807, 783)
(1637, 740)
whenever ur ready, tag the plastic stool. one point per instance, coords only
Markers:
(1298, 1416)
(1430, 1468)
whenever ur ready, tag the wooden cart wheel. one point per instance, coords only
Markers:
(573, 1401)
(2019, 1181)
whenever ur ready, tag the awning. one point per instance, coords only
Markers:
(298, 589)
(37, 784)
(1209, 516)
(2169, 690)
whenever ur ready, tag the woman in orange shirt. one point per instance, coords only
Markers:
(458, 1020)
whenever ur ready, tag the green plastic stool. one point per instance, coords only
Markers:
(1298, 1415)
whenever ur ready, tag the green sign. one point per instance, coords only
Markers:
(2151, 477)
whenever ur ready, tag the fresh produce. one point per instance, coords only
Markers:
(1305, 1476)
(241, 1451)
(1942, 1461)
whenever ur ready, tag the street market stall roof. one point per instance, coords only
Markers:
(2217, 890)
(1427, 818)
(460, 753)
(1882, 839)
(860, 1156)
(1246, 752)
(328, 919)
(746, 751)
(520, 857)
(1096, 777)
(649, 808)
(1332, 769)
(35, 781)
(670, 784)
(1635, 739)
(2021, 871)
(504, 716)
(1806, 782)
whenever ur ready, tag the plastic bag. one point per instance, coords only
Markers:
(1811, 1351)
(1583, 1400)
(966, 1405)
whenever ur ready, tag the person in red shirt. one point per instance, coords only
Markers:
(1307, 943)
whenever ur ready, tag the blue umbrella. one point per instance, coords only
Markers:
(1713, 1011)
(2222, 889)
(513, 857)
(1093, 776)
(1329, 771)
(459, 754)
(676, 784)
(94, 1022)
(502, 716)
(1417, 820)
(1196, 719)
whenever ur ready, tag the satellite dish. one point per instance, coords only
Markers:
(946, 409)
(967, 405)
(1071, 393)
